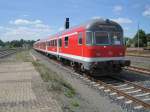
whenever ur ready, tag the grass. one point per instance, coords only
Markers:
(23, 56)
(69, 93)
(57, 84)
(75, 103)
(54, 81)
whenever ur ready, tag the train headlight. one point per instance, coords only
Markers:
(104, 46)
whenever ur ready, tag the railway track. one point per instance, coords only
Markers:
(144, 56)
(137, 69)
(129, 92)
(6, 52)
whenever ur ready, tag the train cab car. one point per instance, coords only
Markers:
(95, 46)
(104, 49)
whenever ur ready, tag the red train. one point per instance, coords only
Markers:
(95, 47)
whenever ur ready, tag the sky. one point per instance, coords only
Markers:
(36, 19)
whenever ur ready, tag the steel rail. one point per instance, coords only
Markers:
(6, 52)
(135, 85)
(121, 92)
(130, 97)
(137, 69)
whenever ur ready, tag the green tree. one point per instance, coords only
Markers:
(142, 38)
(148, 39)
(1, 43)
(17, 43)
(7, 44)
(128, 41)
(22, 41)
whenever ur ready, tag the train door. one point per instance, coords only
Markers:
(80, 43)
(59, 46)
(46, 43)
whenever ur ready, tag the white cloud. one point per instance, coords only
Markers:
(97, 17)
(1, 27)
(117, 8)
(26, 29)
(25, 22)
(25, 33)
(61, 29)
(123, 20)
(147, 11)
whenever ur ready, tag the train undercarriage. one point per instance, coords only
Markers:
(108, 67)
(111, 67)
(98, 68)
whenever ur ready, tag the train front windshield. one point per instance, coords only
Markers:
(101, 38)
(104, 38)
(116, 38)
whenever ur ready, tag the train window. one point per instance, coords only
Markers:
(80, 38)
(48, 43)
(101, 38)
(52, 42)
(66, 41)
(60, 42)
(116, 38)
(89, 37)
(55, 42)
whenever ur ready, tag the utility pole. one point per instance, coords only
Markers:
(138, 37)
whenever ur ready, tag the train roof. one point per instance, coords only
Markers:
(91, 25)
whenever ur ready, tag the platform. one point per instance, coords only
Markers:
(22, 89)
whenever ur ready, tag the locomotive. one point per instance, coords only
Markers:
(95, 47)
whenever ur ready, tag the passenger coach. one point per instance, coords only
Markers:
(95, 47)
